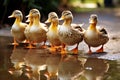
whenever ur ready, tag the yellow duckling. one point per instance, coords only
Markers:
(18, 27)
(52, 34)
(27, 31)
(94, 36)
(38, 30)
(67, 34)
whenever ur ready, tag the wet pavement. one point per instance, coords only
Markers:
(37, 64)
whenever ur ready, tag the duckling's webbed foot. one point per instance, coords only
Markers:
(100, 50)
(75, 50)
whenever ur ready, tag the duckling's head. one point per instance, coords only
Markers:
(93, 19)
(34, 13)
(52, 17)
(16, 14)
(66, 15)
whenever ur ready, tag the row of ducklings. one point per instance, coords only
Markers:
(58, 35)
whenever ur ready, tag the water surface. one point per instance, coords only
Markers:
(40, 64)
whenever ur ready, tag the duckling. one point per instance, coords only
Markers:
(38, 30)
(18, 27)
(30, 20)
(27, 31)
(67, 34)
(95, 36)
(52, 34)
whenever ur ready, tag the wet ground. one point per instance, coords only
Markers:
(40, 62)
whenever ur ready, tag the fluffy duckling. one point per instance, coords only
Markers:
(27, 31)
(52, 34)
(94, 36)
(38, 30)
(18, 27)
(67, 34)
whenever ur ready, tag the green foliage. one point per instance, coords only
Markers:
(31, 4)
(5, 3)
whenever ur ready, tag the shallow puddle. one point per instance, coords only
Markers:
(40, 64)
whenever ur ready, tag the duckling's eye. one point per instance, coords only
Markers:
(54, 17)
(67, 14)
(17, 13)
(95, 18)
(34, 12)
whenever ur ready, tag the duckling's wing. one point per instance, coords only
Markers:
(102, 31)
(44, 26)
(78, 27)
(23, 25)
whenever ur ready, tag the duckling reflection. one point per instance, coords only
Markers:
(52, 63)
(36, 59)
(70, 68)
(17, 58)
(26, 73)
(95, 68)
(15, 72)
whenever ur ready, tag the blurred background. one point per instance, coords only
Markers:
(46, 6)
